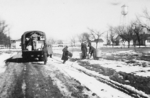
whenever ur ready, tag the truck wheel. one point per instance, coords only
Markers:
(45, 62)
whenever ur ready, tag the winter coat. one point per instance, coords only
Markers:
(49, 49)
(83, 47)
(92, 52)
(65, 54)
(84, 50)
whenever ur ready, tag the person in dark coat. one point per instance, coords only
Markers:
(65, 54)
(84, 50)
(92, 52)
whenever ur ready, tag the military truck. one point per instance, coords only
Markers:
(33, 45)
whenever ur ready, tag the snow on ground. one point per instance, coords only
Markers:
(101, 89)
(122, 66)
(119, 65)
(76, 54)
(72, 69)
(129, 62)
(3, 57)
(5, 50)
(130, 52)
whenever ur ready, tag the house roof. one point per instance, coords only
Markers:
(99, 40)
(15, 40)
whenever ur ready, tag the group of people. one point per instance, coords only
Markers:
(88, 54)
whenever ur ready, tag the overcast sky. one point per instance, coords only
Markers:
(63, 19)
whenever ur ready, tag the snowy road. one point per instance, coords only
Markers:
(54, 80)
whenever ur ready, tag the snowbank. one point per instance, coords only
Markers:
(136, 76)
(126, 67)
(3, 57)
(101, 89)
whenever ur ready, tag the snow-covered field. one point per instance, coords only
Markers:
(125, 61)
(101, 89)
(74, 70)
(4, 56)
(125, 67)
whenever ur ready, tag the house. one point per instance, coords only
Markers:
(99, 44)
(2, 46)
(147, 42)
(16, 43)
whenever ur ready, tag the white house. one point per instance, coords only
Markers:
(99, 44)
(16, 43)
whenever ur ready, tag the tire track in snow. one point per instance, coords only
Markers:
(134, 93)
(72, 71)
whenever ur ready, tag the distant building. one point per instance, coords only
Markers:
(2, 46)
(99, 44)
(16, 43)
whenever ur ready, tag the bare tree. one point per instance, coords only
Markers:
(3, 27)
(146, 14)
(119, 32)
(96, 36)
(84, 37)
(60, 42)
(80, 37)
(73, 41)
(108, 38)
(113, 36)
(139, 26)
(138, 32)
(4, 38)
(125, 33)
(51, 41)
